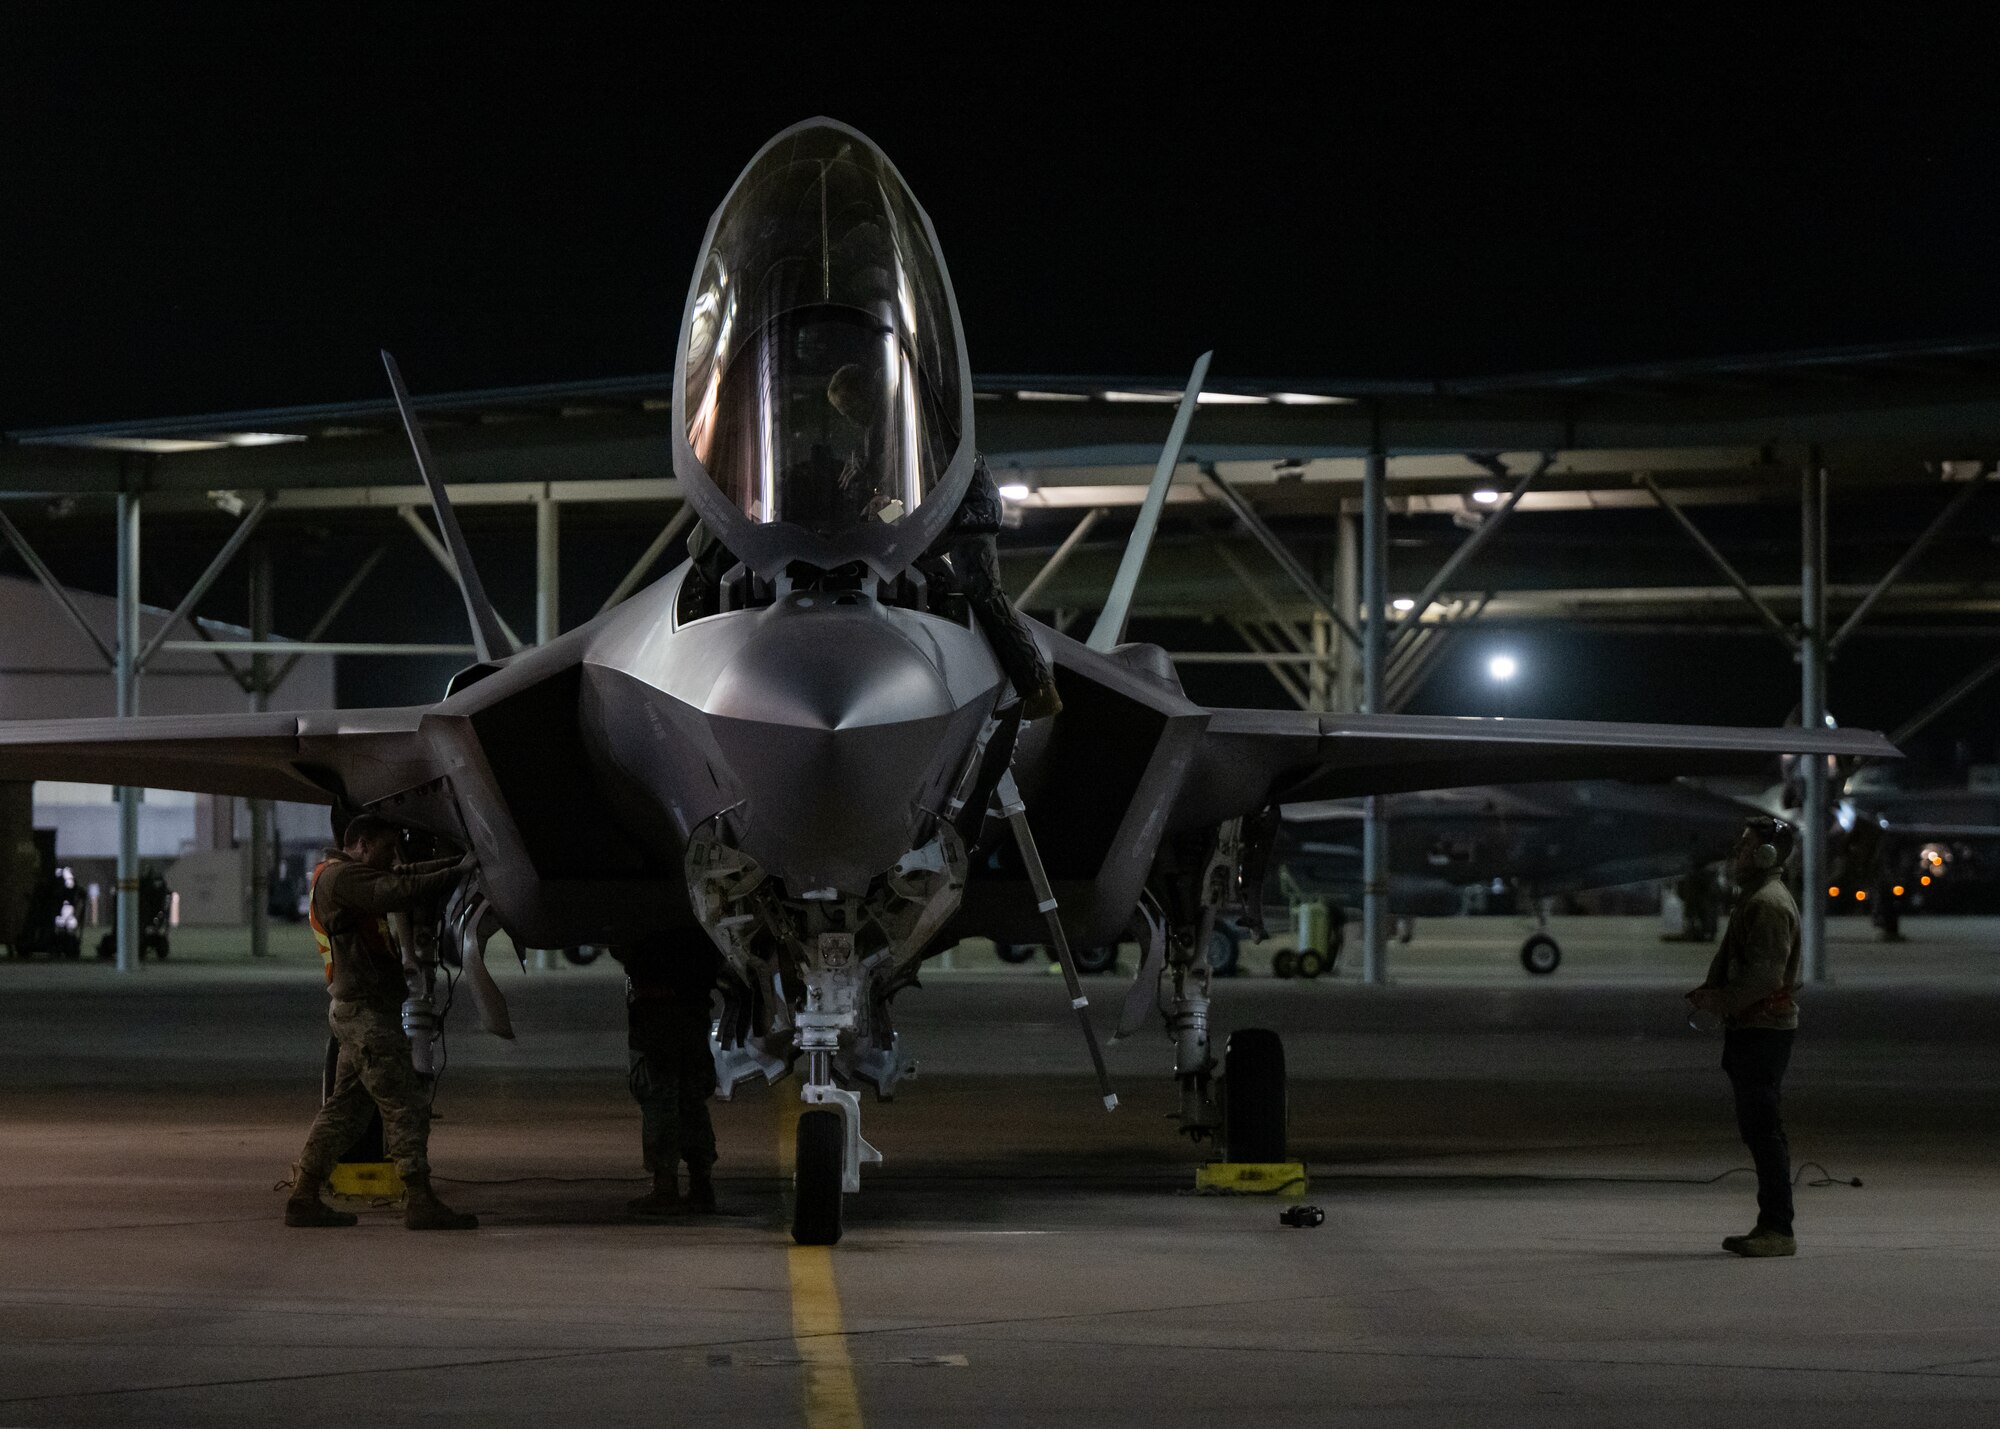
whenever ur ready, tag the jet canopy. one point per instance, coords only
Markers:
(823, 405)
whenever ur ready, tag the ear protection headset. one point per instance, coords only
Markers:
(1774, 842)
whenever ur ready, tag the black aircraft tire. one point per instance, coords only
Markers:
(1254, 1111)
(1541, 955)
(1285, 964)
(822, 1148)
(1014, 952)
(1100, 959)
(582, 956)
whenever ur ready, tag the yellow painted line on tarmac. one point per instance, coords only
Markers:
(817, 1329)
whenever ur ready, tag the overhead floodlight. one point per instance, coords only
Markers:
(1015, 490)
(1309, 399)
(1486, 496)
(261, 439)
(1403, 602)
(1503, 668)
(1168, 397)
(1223, 399)
(1026, 395)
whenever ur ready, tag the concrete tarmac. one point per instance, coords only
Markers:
(1525, 1182)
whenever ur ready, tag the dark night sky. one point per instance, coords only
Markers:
(237, 213)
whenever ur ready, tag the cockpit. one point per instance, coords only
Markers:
(823, 405)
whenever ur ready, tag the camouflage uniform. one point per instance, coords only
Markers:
(671, 1071)
(349, 907)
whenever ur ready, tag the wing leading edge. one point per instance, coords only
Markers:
(1251, 758)
(309, 758)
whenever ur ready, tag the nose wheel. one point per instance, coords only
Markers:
(1541, 954)
(822, 1163)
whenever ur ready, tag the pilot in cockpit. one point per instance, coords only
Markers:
(824, 400)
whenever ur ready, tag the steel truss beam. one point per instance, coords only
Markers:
(244, 529)
(679, 522)
(1719, 561)
(54, 588)
(1060, 557)
(1910, 557)
(1278, 551)
(1472, 546)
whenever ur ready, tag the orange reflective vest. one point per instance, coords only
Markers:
(379, 938)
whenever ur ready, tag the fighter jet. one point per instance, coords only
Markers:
(1535, 839)
(807, 758)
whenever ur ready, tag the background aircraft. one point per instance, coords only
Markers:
(814, 758)
(1529, 840)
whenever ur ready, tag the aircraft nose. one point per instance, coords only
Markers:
(841, 733)
(829, 671)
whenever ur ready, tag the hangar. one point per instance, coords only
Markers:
(1274, 563)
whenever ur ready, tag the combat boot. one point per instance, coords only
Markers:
(663, 1200)
(305, 1208)
(423, 1211)
(701, 1191)
(1760, 1243)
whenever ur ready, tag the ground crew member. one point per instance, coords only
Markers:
(353, 892)
(1750, 986)
(668, 984)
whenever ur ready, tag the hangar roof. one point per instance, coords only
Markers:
(1876, 415)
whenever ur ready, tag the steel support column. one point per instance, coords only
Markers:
(259, 869)
(1374, 627)
(1812, 715)
(1347, 598)
(548, 571)
(125, 670)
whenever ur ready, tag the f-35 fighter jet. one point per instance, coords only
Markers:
(815, 756)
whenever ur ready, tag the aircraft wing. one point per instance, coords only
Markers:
(1247, 759)
(308, 758)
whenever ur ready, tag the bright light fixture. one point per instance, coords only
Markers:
(1015, 490)
(1486, 496)
(1503, 667)
(1403, 602)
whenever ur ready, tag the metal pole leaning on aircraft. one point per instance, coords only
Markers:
(487, 636)
(1008, 798)
(1110, 627)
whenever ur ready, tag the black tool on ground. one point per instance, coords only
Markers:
(1303, 1218)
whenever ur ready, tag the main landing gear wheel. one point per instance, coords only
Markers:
(1014, 952)
(1541, 955)
(1254, 1110)
(1093, 961)
(822, 1149)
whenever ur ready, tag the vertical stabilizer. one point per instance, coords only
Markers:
(489, 637)
(1110, 627)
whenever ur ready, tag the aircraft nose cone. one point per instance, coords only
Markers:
(829, 671)
(841, 733)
